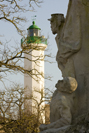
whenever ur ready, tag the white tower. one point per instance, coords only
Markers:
(35, 46)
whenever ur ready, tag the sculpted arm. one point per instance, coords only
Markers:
(65, 119)
(67, 49)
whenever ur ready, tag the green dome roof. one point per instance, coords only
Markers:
(34, 26)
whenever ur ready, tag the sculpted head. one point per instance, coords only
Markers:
(68, 85)
(56, 21)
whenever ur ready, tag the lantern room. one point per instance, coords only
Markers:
(33, 30)
(33, 36)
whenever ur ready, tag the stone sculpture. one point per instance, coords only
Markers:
(61, 106)
(72, 94)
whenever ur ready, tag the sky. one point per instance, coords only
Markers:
(43, 13)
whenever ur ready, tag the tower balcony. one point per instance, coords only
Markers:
(31, 42)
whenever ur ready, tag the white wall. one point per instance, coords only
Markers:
(33, 87)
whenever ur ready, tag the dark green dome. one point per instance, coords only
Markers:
(34, 26)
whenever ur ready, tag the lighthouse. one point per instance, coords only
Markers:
(34, 45)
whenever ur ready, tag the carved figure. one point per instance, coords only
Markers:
(72, 94)
(75, 40)
(61, 112)
(57, 22)
(73, 50)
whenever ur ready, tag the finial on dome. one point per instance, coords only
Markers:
(33, 22)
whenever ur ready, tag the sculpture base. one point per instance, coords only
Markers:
(57, 130)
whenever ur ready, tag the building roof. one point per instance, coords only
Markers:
(34, 26)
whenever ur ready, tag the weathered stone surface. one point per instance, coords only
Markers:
(68, 85)
(73, 46)
(61, 105)
(71, 99)
(58, 130)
